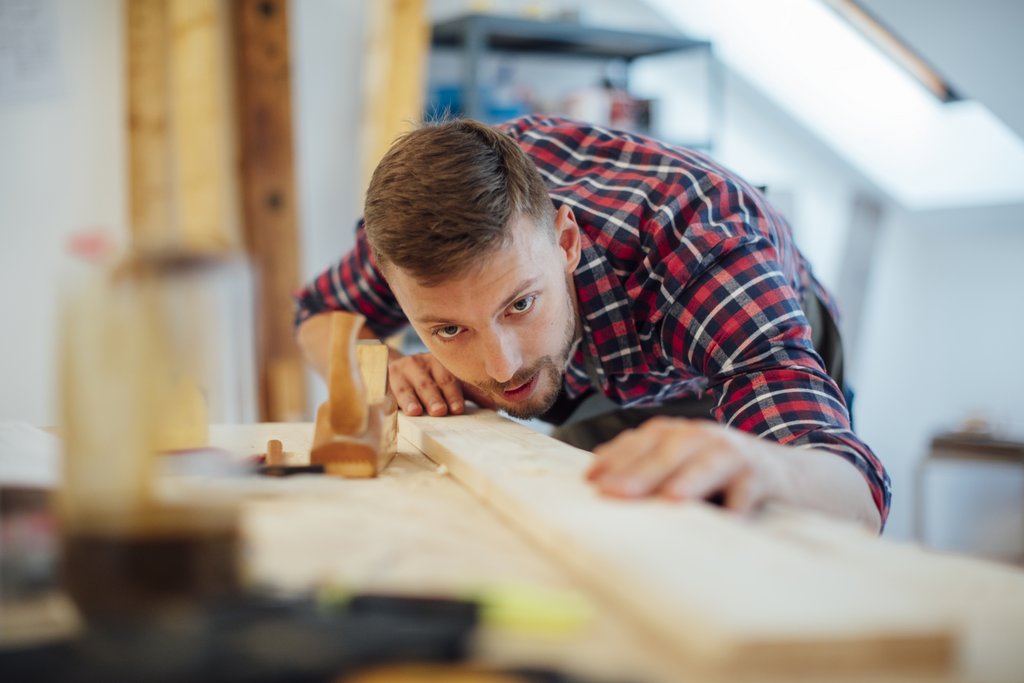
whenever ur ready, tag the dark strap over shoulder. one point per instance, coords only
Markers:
(824, 335)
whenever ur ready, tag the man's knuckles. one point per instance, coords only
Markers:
(425, 385)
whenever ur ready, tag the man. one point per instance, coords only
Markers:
(546, 260)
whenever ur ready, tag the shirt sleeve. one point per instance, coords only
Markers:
(354, 284)
(739, 323)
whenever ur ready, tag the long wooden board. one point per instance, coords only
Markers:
(722, 592)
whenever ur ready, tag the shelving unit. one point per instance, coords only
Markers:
(477, 35)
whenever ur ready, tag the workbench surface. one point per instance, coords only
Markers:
(417, 529)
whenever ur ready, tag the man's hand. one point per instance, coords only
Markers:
(421, 384)
(697, 459)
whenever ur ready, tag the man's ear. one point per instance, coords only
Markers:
(567, 234)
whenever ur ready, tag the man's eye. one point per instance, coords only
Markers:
(447, 332)
(523, 305)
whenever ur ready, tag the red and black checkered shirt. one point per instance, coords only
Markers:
(689, 282)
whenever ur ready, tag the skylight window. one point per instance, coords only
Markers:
(925, 153)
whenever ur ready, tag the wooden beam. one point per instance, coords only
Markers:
(181, 145)
(720, 592)
(149, 126)
(269, 200)
(201, 105)
(398, 39)
(183, 151)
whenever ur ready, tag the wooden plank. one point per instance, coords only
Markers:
(149, 145)
(985, 599)
(263, 80)
(415, 530)
(181, 146)
(202, 114)
(721, 592)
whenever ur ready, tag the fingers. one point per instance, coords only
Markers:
(704, 475)
(679, 459)
(451, 390)
(745, 493)
(618, 453)
(641, 461)
(421, 384)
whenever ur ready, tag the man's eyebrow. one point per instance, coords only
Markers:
(432, 319)
(518, 291)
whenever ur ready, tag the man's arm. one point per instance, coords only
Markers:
(696, 459)
(783, 429)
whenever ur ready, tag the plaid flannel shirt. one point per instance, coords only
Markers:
(689, 282)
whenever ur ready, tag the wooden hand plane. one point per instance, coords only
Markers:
(356, 428)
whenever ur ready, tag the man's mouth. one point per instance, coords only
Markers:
(522, 392)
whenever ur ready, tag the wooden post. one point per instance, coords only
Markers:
(149, 122)
(268, 196)
(181, 146)
(398, 41)
(182, 59)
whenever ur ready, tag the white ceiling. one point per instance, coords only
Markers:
(976, 46)
(924, 154)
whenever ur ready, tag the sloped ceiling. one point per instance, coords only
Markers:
(976, 46)
(924, 154)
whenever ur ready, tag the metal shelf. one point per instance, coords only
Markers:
(478, 34)
(510, 34)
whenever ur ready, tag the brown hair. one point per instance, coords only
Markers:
(446, 193)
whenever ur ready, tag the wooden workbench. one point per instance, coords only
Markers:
(646, 591)
(420, 529)
(417, 530)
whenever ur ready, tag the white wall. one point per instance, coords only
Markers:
(942, 342)
(327, 60)
(61, 170)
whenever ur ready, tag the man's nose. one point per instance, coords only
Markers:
(501, 356)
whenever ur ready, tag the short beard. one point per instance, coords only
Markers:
(537, 406)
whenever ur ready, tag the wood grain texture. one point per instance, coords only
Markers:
(180, 128)
(373, 358)
(355, 431)
(719, 591)
(269, 201)
(346, 395)
(398, 37)
(414, 530)
(147, 54)
(202, 111)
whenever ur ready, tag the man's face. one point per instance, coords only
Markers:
(508, 326)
